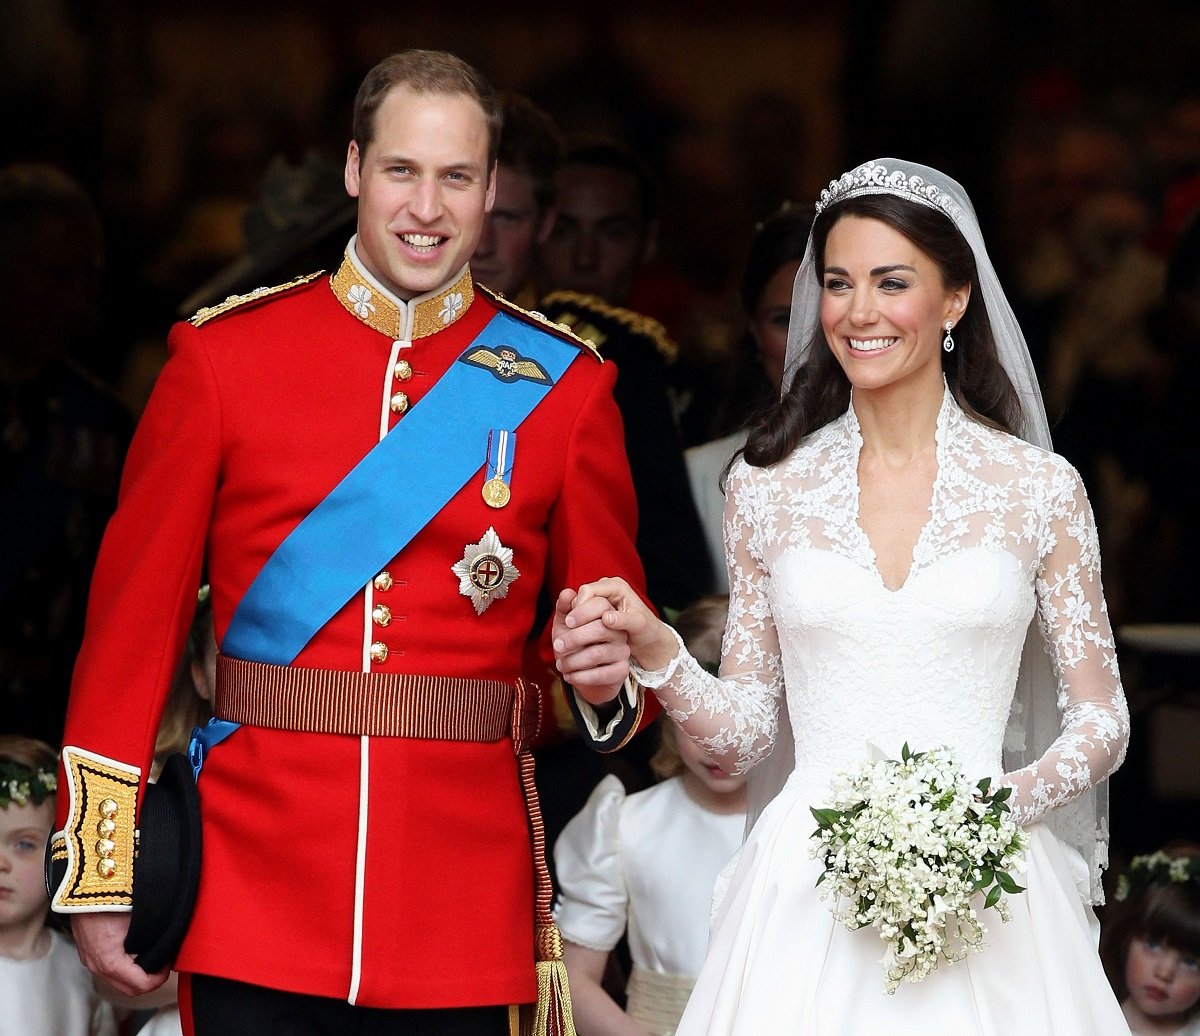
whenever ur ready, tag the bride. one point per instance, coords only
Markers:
(908, 562)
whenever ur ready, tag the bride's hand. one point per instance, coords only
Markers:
(613, 605)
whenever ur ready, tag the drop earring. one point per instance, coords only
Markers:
(948, 342)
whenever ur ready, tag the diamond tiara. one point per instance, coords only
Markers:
(874, 178)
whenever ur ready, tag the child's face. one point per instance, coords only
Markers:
(696, 759)
(24, 831)
(1161, 980)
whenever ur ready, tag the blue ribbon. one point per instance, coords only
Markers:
(205, 739)
(392, 493)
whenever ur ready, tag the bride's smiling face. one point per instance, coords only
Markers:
(884, 305)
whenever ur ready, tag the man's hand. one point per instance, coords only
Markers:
(596, 630)
(100, 940)
(592, 657)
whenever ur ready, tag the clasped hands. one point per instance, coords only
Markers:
(597, 629)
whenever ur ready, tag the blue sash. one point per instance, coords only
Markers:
(395, 490)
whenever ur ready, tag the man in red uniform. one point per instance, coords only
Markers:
(380, 470)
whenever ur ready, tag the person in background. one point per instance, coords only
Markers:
(606, 223)
(766, 297)
(1150, 942)
(190, 702)
(643, 867)
(44, 990)
(63, 437)
(522, 215)
(604, 230)
(376, 514)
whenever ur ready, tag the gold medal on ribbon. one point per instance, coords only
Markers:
(496, 493)
(502, 445)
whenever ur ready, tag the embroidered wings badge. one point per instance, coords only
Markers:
(507, 364)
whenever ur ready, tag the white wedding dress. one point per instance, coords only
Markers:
(866, 669)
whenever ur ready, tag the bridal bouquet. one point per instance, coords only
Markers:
(907, 846)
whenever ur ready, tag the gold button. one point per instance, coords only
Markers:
(379, 652)
(399, 403)
(383, 581)
(108, 809)
(381, 615)
(106, 868)
(106, 848)
(106, 828)
(403, 370)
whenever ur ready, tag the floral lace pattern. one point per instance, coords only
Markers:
(1010, 535)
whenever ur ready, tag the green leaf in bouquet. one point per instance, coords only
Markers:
(1005, 881)
(993, 897)
(986, 877)
(983, 786)
(825, 818)
(1002, 794)
(906, 754)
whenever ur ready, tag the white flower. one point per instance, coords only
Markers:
(907, 846)
(360, 298)
(451, 304)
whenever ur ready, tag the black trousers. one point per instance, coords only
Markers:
(222, 1007)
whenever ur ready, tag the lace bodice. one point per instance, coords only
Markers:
(1010, 535)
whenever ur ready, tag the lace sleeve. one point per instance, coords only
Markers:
(1074, 622)
(733, 717)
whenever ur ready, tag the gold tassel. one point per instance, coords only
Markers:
(551, 1014)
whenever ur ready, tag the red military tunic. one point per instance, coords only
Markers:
(390, 872)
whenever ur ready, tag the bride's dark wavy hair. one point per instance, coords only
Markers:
(820, 391)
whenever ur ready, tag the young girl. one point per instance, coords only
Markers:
(644, 865)
(44, 990)
(1151, 945)
(190, 702)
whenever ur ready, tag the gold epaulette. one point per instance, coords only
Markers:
(207, 313)
(532, 316)
(98, 842)
(639, 323)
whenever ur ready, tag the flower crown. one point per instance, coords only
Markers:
(21, 785)
(874, 178)
(1157, 869)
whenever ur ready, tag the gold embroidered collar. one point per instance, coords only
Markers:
(363, 296)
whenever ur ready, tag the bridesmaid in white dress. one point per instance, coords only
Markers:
(644, 866)
(908, 562)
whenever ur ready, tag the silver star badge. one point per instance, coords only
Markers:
(485, 572)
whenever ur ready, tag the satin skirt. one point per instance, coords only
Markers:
(778, 962)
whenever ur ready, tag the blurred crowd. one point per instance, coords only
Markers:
(673, 247)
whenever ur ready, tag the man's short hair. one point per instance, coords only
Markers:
(424, 72)
(610, 154)
(531, 144)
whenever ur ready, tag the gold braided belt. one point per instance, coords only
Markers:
(331, 701)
